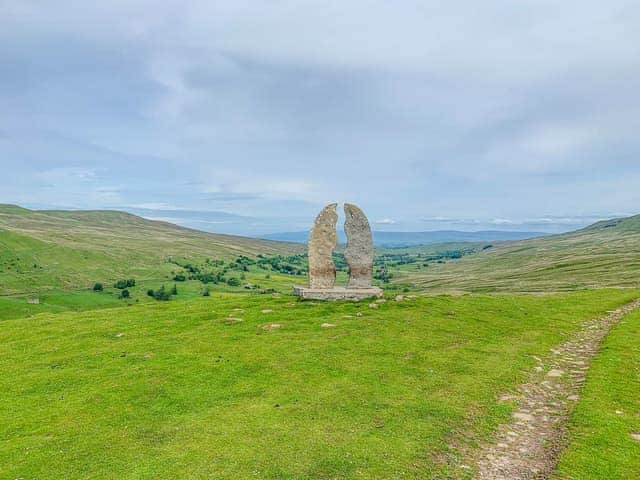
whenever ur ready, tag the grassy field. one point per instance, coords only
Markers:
(210, 388)
(609, 412)
(53, 250)
(247, 383)
(606, 254)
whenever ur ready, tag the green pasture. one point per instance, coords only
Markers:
(253, 386)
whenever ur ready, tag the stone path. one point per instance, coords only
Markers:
(528, 447)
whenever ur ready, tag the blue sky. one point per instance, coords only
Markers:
(247, 117)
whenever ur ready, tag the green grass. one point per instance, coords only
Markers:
(174, 390)
(54, 250)
(609, 412)
(606, 254)
(61, 301)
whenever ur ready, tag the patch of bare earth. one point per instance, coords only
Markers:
(528, 447)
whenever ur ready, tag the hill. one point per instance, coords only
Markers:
(407, 239)
(65, 249)
(606, 254)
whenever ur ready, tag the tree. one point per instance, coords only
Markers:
(162, 294)
(120, 284)
(98, 287)
(233, 282)
(125, 293)
(174, 290)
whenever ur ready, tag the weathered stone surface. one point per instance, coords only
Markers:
(336, 293)
(359, 256)
(322, 241)
(359, 251)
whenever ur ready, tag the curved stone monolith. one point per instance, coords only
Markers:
(322, 241)
(359, 251)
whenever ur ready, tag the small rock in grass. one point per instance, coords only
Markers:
(399, 298)
(347, 316)
(635, 436)
(555, 373)
(118, 335)
(328, 325)
(619, 412)
(573, 398)
(232, 320)
(267, 310)
(271, 326)
(373, 305)
(358, 314)
(381, 300)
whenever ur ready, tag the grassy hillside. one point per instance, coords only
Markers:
(248, 386)
(606, 254)
(54, 250)
(41, 250)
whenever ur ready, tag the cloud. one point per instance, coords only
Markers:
(445, 114)
(385, 221)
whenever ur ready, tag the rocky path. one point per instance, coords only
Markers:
(528, 447)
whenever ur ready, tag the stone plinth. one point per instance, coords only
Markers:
(336, 293)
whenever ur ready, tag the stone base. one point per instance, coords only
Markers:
(336, 293)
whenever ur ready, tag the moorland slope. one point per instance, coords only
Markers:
(50, 249)
(606, 254)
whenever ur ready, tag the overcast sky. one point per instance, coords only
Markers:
(249, 116)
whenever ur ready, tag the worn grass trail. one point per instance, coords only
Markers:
(528, 447)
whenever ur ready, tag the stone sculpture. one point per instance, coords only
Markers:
(358, 254)
(322, 241)
(359, 251)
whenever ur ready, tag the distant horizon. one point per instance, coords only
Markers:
(260, 227)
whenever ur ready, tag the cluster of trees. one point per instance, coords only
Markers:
(127, 283)
(205, 273)
(382, 274)
(163, 294)
(219, 272)
(289, 265)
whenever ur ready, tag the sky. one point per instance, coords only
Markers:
(249, 116)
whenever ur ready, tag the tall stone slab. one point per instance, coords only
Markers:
(359, 251)
(359, 255)
(322, 241)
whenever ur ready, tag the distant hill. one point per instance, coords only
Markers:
(46, 250)
(605, 254)
(41, 249)
(407, 239)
